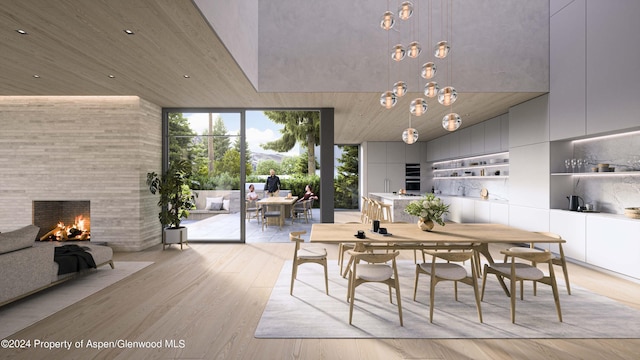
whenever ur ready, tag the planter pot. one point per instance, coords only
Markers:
(174, 236)
(425, 225)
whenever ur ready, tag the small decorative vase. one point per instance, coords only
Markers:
(425, 224)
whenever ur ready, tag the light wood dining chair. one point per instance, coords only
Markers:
(364, 214)
(519, 271)
(253, 211)
(303, 255)
(558, 261)
(300, 209)
(375, 269)
(269, 212)
(448, 270)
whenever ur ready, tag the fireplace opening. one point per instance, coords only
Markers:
(62, 220)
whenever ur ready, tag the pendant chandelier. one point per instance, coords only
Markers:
(445, 95)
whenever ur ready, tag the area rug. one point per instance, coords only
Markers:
(28, 311)
(310, 313)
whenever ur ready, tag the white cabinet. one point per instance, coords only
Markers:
(477, 139)
(377, 152)
(385, 165)
(571, 226)
(612, 243)
(567, 70)
(499, 213)
(529, 122)
(468, 210)
(504, 132)
(492, 135)
(396, 152)
(612, 110)
(481, 211)
(464, 142)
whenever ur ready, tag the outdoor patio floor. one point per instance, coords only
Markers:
(226, 227)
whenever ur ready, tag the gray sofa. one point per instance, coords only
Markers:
(27, 266)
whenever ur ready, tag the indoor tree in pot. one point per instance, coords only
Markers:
(429, 209)
(176, 199)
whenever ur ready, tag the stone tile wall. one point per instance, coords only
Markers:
(82, 148)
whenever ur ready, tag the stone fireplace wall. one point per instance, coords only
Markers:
(82, 148)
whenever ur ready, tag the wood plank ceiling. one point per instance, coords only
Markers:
(78, 47)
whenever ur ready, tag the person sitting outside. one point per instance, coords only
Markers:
(252, 195)
(308, 194)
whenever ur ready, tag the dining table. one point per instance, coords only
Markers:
(279, 201)
(403, 236)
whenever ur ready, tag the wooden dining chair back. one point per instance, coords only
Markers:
(307, 254)
(449, 268)
(520, 271)
(253, 211)
(373, 267)
(271, 212)
(558, 261)
(300, 209)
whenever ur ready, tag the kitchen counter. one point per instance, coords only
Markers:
(398, 204)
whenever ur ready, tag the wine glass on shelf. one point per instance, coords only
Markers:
(567, 163)
(574, 162)
(579, 163)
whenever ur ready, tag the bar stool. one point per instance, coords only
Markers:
(385, 212)
(364, 215)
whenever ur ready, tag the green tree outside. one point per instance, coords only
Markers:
(346, 182)
(299, 126)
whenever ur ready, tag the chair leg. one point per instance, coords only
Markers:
(563, 263)
(326, 276)
(415, 284)
(294, 274)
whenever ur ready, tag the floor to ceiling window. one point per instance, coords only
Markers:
(213, 143)
(231, 150)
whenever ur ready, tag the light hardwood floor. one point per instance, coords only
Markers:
(212, 296)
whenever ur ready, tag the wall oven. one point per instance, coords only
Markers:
(412, 177)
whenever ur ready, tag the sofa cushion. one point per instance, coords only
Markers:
(213, 203)
(18, 239)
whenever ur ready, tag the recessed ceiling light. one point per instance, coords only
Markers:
(128, 32)
(111, 76)
(186, 76)
(36, 76)
(22, 32)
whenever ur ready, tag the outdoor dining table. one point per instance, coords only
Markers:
(410, 236)
(280, 201)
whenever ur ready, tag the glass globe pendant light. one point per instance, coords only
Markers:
(451, 122)
(447, 95)
(431, 89)
(388, 99)
(410, 135)
(398, 52)
(442, 49)
(387, 21)
(414, 50)
(399, 88)
(405, 10)
(418, 107)
(428, 70)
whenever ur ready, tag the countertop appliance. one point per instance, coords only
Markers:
(574, 202)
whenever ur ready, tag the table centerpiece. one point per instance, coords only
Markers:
(429, 209)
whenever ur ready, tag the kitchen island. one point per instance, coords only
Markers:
(398, 204)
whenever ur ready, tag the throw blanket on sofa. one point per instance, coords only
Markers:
(72, 258)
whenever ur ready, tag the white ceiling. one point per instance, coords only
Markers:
(277, 54)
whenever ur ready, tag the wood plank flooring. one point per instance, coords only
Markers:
(212, 296)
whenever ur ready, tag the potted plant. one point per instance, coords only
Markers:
(429, 209)
(176, 199)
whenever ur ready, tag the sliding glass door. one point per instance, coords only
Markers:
(214, 144)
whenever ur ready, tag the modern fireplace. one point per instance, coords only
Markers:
(62, 220)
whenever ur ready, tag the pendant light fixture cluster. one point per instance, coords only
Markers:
(446, 95)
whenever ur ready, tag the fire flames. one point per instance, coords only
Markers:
(79, 230)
